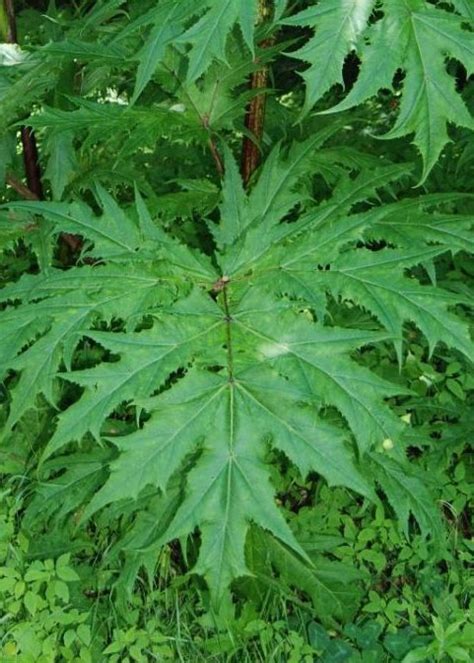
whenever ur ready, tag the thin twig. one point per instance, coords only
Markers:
(216, 156)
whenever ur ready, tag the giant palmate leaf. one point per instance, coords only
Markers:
(224, 363)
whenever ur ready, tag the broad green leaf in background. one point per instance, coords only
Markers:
(332, 586)
(338, 27)
(412, 36)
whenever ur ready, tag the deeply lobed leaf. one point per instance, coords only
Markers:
(218, 370)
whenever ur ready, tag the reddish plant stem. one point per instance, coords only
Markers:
(255, 117)
(30, 148)
(254, 123)
(31, 161)
(33, 190)
(216, 156)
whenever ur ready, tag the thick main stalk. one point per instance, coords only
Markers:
(255, 117)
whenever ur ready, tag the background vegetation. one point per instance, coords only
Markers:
(111, 99)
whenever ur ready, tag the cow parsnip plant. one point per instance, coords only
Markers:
(182, 365)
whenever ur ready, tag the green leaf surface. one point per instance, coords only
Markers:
(412, 36)
(185, 382)
(208, 36)
(338, 27)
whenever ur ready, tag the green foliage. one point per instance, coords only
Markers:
(235, 416)
(414, 37)
(35, 601)
(242, 348)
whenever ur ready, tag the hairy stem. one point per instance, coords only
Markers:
(255, 117)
